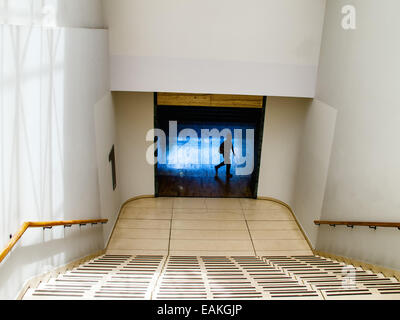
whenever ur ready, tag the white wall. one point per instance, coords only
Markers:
(61, 13)
(298, 135)
(50, 81)
(313, 165)
(283, 129)
(359, 76)
(106, 137)
(134, 116)
(230, 46)
(82, 13)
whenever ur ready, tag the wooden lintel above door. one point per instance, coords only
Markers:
(209, 100)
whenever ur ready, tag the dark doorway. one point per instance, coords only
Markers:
(193, 138)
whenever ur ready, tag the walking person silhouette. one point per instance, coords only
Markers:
(225, 151)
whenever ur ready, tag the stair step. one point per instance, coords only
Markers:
(215, 277)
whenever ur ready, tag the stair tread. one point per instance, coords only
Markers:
(212, 277)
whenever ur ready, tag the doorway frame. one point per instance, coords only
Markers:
(258, 159)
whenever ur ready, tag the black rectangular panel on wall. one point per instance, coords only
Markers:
(111, 158)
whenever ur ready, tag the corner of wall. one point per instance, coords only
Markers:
(313, 166)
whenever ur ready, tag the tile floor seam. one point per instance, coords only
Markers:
(248, 230)
(170, 232)
(159, 276)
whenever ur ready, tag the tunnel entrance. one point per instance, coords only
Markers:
(209, 145)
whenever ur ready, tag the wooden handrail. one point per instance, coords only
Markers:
(45, 224)
(370, 224)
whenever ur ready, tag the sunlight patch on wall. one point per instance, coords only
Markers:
(29, 12)
(31, 125)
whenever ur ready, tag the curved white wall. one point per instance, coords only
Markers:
(312, 166)
(359, 77)
(283, 129)
(297, 141)
(50, 81)
(134, 117)
(106, 137)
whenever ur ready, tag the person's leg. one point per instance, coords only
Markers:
(217, 167)
(227, 161)
(220, 165)
(228, 171)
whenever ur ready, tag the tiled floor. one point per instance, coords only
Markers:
(207, 226)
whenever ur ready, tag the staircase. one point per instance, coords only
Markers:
(215, 277)
(188, 248)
